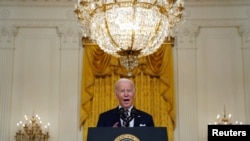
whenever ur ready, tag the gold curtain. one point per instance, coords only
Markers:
(153, 79)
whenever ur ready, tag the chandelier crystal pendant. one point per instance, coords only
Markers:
(129, 29)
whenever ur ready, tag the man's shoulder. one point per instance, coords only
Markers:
(113, 110)
(140, 112)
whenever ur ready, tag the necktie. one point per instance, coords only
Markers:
(126, 122)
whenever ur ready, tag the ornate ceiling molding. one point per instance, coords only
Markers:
(58, 3)
(52, 3)
(217, 2)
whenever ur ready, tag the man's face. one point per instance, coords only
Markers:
(125, 94)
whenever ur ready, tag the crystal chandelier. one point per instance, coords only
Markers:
(129, 29)
(224, 119)
(32, 130)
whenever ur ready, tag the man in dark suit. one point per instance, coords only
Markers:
(125, 115)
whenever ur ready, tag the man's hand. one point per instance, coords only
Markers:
(116, 124)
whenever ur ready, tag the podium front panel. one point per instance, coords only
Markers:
(127, 134)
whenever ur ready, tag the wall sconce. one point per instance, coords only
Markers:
(32, 130)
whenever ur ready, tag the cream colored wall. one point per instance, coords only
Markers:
(212, 68)
(41, 56)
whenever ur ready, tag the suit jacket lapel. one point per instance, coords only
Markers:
(137, 119)
(117, 116)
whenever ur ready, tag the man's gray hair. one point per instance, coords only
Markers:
(124, 80)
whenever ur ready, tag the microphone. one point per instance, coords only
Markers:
(133, 113)
(121, 113)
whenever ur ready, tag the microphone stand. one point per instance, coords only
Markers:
(123, 116)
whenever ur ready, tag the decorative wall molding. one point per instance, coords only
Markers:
(245, 32)
(216, 23)
(69, 36)
(216, 2)
(69, 31)
(51, 3)
(186, 36)
(65, 70)
(189, 30)
(70, 2)
(40, 23)
(7, 34)
(4, 13)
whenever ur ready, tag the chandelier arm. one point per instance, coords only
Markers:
(146, 5)
(133, 30)
(109, 34)
(132, 40)
(155, 33)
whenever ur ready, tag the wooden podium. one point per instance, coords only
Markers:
(127, 134)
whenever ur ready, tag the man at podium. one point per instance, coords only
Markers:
(125, 115)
